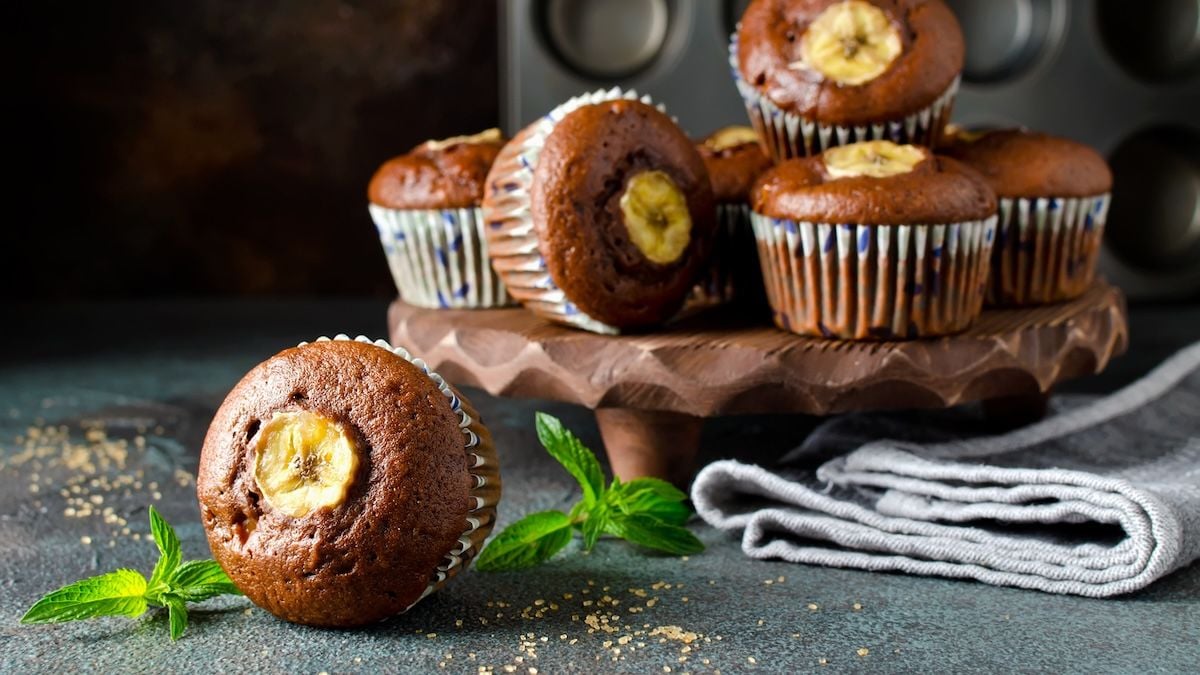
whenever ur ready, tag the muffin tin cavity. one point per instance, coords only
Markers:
(606, 39)
(1007, 38)
(1154, 225)
(1154, 41)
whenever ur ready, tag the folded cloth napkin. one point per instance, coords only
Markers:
(1098, 499)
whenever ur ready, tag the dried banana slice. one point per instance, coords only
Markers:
(878, 159)
(851, 43)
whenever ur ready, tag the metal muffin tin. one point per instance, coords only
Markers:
(1121, 76)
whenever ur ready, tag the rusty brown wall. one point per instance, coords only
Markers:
(222, 147)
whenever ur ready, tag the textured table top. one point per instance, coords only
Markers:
(118, 397)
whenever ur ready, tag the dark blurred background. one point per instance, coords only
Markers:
(210, 147)
(218, 148)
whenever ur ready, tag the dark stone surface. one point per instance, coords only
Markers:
(159, 371)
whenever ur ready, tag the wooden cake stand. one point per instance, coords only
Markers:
(651, 392)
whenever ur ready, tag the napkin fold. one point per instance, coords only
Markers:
(1100, 498)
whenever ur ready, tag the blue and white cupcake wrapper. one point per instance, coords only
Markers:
(874, 282)
(438, 257)
(513, 241)
(1046, 249)
(482, 464)
(787, 135)
(734, 242)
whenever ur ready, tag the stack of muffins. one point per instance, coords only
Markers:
(852, 200)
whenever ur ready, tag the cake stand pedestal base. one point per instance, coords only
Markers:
(650, 443)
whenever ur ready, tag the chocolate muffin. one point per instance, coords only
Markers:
(425, 205)
(341, 482)
(1054, 198)
(600, 214)
(734, 160)
(874, 241)
(821, 73)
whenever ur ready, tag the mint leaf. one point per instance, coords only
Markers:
(595, 525)
(652, 533)
(656, 486)
(198, 580)
(118, 593)
(127, 593)
(645, 511)
(575, 457)
(176, 615)
(527, 542)
(652, 497)
(169, 552)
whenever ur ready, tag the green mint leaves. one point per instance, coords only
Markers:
(124, 592)
(646, 511)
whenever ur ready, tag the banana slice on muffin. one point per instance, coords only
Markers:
(851, 42)
(341, 481)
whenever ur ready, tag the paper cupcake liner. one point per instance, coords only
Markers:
(787, 135)
(733, 243)
(874, 282)
(1046, 249)
(511, 237)
(438, 257)
(482, 464)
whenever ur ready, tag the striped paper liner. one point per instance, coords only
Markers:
(874, 282)
(512, 240)
(786, 135)
(482, 464)
(719, 284)
(438, 257)
(1046, 249)
(733, 268)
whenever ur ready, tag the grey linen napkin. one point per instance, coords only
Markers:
(1098, 499)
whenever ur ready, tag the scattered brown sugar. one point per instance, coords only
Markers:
(90, 474)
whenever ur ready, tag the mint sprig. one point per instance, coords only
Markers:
(645, 511)
(125, 592)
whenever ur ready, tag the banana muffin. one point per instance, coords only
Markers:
(341, 481)
(874, 241)
(600, 214)
(734, 160)
(425, 205)
(821, 73)
(1054, 197)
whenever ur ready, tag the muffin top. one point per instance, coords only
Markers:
(447, 174)
(850, 62)
(734, 159)
(624, 212)
(1018, 163)
(874, 183)
(332, 482)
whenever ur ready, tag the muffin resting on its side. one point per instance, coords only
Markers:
(425, 205)
(600, 214)
(341, 482)
(734, 160)
(821, 73)
(874, 241)
(1054, 198)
